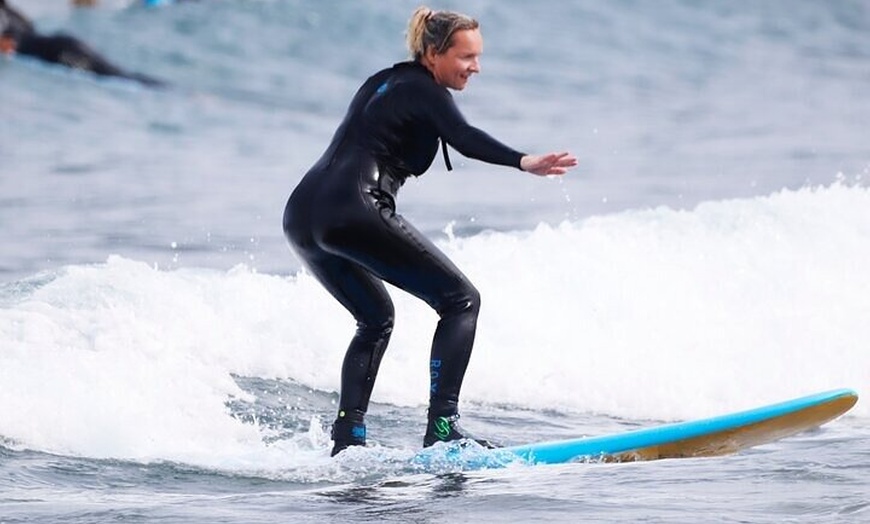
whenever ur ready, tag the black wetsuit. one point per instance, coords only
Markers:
(60, 48)
(341, 220)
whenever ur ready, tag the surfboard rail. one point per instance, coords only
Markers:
(718, 435)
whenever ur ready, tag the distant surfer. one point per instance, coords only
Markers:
(18, 36)
(341, 219)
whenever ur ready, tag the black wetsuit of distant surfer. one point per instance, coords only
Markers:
(341, 220)
(60, 48)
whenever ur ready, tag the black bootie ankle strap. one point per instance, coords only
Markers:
(349, 429)
(446, 428)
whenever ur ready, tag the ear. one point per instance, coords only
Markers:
(430, 54)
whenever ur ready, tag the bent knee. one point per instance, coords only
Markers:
(377, 326)
(465, 303)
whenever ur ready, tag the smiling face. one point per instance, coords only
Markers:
(457, 63)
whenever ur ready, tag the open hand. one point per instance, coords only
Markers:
(549, 164)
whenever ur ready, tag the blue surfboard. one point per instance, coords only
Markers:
(698, 438)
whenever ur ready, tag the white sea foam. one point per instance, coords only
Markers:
(647, 314)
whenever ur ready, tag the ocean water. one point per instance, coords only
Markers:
(163, 358)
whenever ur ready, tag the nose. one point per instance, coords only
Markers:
(475, 66)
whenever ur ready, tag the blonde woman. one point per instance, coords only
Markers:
(341, 219)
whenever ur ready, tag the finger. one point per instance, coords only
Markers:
(564, 159)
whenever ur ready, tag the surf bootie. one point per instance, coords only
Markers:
(447, 429)
(349, 429)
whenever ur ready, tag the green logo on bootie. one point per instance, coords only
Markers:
(442, 428)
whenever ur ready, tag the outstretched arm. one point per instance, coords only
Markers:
(549, 164)
(13, 24)
(472, 142)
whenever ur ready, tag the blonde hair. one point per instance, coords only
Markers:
(435, 29)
